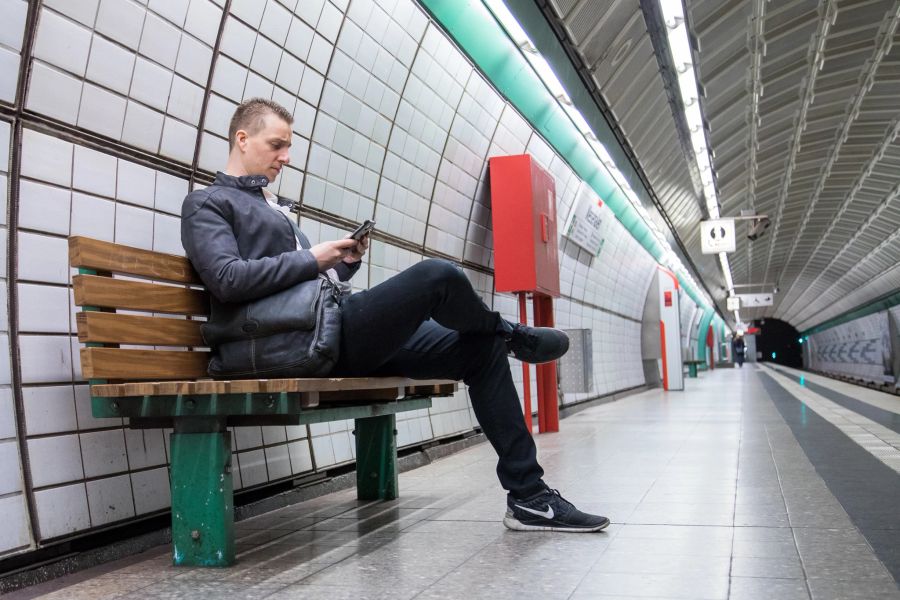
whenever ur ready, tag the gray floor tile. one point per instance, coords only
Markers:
(619, 562)
(699, 587)
(756, 588)
(765, 548)
(823, 589)
(767, 567)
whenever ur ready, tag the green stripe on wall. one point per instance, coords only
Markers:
(478, 34)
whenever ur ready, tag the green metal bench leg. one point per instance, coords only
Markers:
(376, 458)
(202, 495)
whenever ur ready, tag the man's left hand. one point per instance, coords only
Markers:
(357, 252)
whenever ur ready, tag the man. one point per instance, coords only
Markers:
(738, 348)
(425, 322)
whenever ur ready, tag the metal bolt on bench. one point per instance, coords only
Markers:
(169, 387)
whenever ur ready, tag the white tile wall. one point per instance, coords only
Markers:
(14, 13)
(110, 499)
(301, 458)
(62, 510)
(103, 452)
(252, 467)
(391, 121)
(278, 462)
(49, 409)
(54, 460)
(151, 490)
(147, 92)
(15, 532)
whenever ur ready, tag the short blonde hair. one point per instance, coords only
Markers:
(250, 116)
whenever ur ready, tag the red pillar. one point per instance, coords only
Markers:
(548, 399)
(526, 373)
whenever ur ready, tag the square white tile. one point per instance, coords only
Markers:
(110, 499)
(62, 510)
(55, 460)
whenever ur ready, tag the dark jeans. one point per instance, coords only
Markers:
(427, 322)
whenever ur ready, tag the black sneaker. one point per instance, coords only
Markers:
(548, 511)
(537, 344)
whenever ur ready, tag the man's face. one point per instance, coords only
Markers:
(266, 151)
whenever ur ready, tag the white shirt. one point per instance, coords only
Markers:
(272, 200)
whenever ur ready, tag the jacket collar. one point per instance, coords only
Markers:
(245, 182)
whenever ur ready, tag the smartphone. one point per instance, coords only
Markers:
(363, 230)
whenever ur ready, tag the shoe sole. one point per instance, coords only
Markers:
(517, 525)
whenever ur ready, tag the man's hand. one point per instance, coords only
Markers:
(329, 254)
(358, 251)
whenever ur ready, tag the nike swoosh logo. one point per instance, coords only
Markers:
(547, 514)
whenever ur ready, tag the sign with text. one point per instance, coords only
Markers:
(733, 303)
(754, 300)
(584, 226)
(717, 235)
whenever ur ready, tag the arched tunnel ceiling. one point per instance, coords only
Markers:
(816, 149)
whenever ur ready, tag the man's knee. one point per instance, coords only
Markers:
(437, 270)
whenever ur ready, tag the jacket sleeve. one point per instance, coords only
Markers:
(209, 242)
(345, 271)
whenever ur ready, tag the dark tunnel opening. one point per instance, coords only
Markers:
(779, 342)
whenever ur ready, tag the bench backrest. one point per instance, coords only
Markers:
(114, 283)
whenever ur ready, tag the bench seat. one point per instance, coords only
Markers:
(153, 304)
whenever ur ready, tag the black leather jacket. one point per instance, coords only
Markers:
(242, 248)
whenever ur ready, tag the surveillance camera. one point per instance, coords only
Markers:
(758, 228)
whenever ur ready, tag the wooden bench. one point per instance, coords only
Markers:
(692, 366)
(163, 383)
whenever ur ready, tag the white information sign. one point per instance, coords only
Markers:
(733, 303)
(754, 300)
(717, 235)
(584, 226)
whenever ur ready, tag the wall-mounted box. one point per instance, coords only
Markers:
(576, 367)
(523, 210)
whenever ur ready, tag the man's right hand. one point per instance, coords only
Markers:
(328, 254)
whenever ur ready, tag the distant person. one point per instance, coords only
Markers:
(738, 348)
(425, 322)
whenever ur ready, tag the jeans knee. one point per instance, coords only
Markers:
(438, 270)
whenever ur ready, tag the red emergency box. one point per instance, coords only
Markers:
(523, 207)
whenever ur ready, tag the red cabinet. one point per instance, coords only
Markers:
(523, 209)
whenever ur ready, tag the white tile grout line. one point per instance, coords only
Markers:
(877, 440)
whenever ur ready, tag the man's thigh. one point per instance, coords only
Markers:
(435, 352)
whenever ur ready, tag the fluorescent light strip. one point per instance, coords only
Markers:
(683, 59)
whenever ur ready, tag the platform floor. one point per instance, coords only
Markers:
(753, 483)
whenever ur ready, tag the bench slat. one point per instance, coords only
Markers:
(106, 292)
(131, 364)
(436, 387)
(105, 256)
(112, 328)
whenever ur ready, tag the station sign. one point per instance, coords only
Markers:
(585, 223)
(717, 235)
(756, 300)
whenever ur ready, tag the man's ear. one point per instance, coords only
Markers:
(240, 139)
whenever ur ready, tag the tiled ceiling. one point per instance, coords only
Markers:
(801, 100)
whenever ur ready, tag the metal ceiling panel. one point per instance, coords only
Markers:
(816, 150)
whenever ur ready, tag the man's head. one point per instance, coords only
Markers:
(259, 138)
